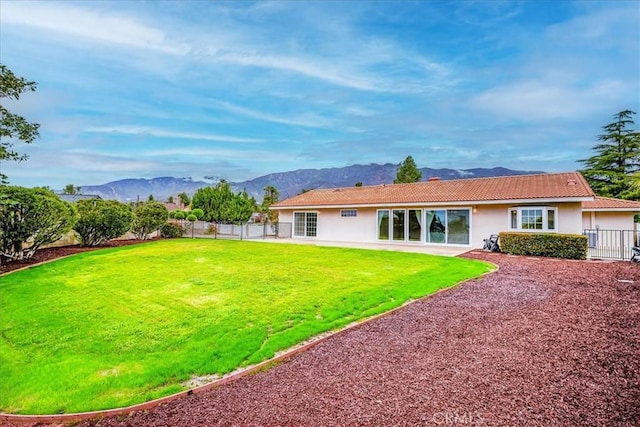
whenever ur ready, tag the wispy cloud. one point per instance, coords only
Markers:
(239, 89)
(83, 23)
(306, 120)
(163, 133)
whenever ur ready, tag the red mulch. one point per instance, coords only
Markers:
(541, 342)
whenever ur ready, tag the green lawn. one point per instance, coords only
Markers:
(121, 326)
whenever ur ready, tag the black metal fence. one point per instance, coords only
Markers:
(214, 230)
(612, 244)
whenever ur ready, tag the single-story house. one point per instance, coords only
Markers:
(460, 212)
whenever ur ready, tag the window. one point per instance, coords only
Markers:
(449, 226)
(398, 224)
(458, 226)
(415, 225)
(446, 226)
(348, 212)
(383, 225)
(533, 218)
(436, 230)
(305, 224)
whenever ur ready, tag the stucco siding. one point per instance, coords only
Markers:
(608, 220)
(334, 227)
(484, 220)
(570, 218)
(488, 220)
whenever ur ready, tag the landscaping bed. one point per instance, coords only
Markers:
(540, 342)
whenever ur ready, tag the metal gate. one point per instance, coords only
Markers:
(611, 244)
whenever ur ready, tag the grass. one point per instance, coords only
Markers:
(121, 326)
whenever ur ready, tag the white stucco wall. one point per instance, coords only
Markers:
(360, 228)
(484, 221)
(608, 220)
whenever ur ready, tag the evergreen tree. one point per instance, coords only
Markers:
(408, 172)
(610, 172)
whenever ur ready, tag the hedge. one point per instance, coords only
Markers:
(570, 246)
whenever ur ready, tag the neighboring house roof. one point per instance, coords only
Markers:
(75, 197)
(609, 204)
(569, 186)
(171, 206)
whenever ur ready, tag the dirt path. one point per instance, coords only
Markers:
(542, 342)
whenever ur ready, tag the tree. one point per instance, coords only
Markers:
(12, 126)
(30, 218)
(170, 199)
(213, 201)
(240, 208)
(359, 184)
(184, 199)
(102, 220)
(71, 189)
(147, 218)
(150, 198)
(271, 196)
(408, 172)
(610, 171)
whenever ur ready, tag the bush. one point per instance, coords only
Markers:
(212, 229)
(102, 220)
(569, 246)
(179, 215)
(171, 230)
(31, 218)
(147, 218)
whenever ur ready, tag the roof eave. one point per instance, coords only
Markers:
(635, 210)
(440, 203)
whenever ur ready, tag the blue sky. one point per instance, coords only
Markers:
(141, 89)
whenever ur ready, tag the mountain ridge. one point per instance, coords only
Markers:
(287, 183)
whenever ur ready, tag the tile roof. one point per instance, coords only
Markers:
(607, 203)
(519, 187)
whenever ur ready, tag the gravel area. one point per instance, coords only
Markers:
(541, 342)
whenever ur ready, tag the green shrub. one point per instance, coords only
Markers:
(192, 217)
(179, 215)
(171, 230)
(199, 213)
(569, 246)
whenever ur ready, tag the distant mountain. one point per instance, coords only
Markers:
(133, 189)
(288, 183)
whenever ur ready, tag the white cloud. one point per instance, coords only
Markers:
(541, 100)
(86, 24)
(306, 120)
(162, 133)
(204, 154)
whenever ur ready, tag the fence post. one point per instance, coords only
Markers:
(621, 244)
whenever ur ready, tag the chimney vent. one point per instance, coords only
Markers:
(571, 182)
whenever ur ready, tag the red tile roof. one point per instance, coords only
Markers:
(607, 203)
(571, 185)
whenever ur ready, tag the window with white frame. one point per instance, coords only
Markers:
(446, 226)
(533, 218)
(348, 213)
(305, 224)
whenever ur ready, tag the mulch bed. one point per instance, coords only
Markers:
(541, 342)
